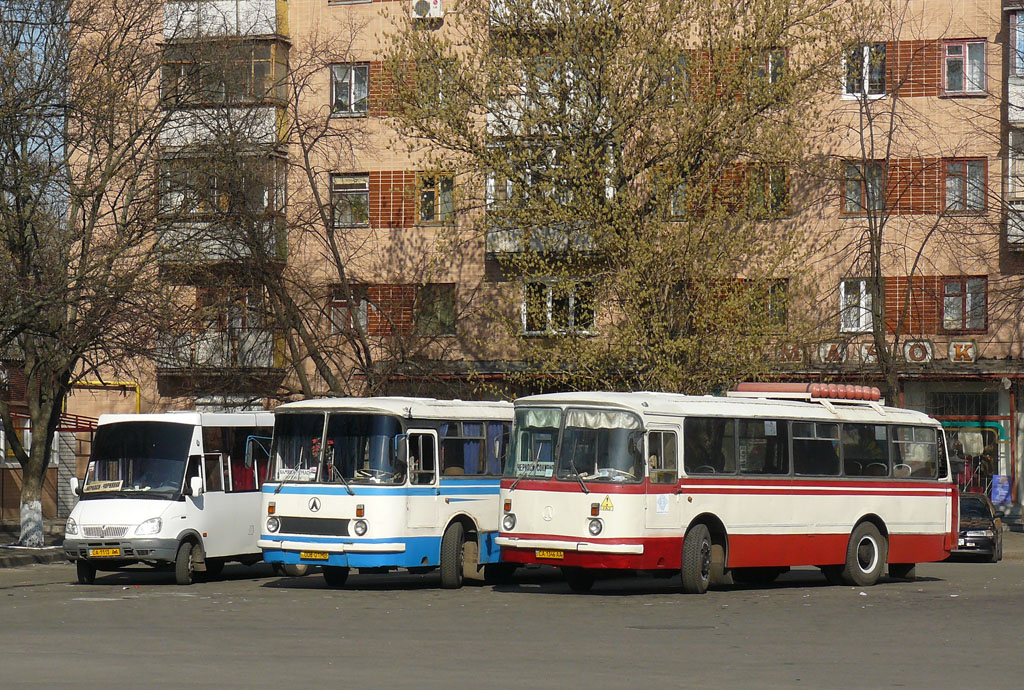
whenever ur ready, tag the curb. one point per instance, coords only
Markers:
(13, 557)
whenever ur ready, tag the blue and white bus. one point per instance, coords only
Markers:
(384, 483)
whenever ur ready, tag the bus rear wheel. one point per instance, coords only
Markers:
(335, 575)
(451, 556)
(865, 556)
(696, 565)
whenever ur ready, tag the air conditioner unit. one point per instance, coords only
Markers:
(427, 9)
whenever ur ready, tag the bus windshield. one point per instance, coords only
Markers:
(144, 459)
(596, 445)
(354, 448)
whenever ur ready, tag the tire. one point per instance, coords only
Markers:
(866, 556)
(696, 561)
(499, 573)
(335, 575)
(833, 574)
(296, 569)
(903, 571)
(86, 572)
(580, 580)
(451, 556)
(184, 564)
(757, 576)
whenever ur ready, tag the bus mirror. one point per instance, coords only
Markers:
(497, 449)
(75, 486)
(248, 452)
(956, 466)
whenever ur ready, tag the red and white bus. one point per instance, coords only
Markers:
(768, 477)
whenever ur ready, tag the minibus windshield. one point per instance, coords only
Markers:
(138, 459)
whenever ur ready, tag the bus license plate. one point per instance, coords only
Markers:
(313, 555)
(549, 553)
(104, 553)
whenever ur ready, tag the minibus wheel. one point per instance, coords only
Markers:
(184, 564)
(451, 556)
(86, 572)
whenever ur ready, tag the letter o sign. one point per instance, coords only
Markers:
(918, 352)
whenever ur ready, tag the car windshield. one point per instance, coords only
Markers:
(974, 508)
(354, 448)
(600, 445)
(592, 445)
(137, 458)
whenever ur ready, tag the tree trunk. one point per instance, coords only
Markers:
(33, 475)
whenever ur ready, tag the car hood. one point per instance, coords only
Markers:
(118, 511)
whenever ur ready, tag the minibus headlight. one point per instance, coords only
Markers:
(150, 526)
(71, 527)
(273, 524)
(359, 527)
(508, 523)
(595, 527)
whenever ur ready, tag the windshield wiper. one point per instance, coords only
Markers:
(572, 466)
(332, 470)
(530, 469)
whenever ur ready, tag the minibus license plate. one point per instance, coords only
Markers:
(549, 553)
(313, 555)
(104, 553)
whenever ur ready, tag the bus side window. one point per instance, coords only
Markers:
(214, 474)
(421, 459)
(815, 448)
(193, 469)
(662, 457)
(865, 450)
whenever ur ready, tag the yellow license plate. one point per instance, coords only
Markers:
(104, 553)
(548, 553)
(313, 555)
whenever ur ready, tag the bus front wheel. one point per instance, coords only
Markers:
(696, 570)
(579, 579)
(335, 575)
(86, 572)
(451, 556)
(865, 556)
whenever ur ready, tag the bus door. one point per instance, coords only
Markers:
(662, 499)
(424, 497)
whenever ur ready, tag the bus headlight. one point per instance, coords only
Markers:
(595, 527)
(71, 527)
(273, 524)
(150, 526)
(508, 523)
(359, 527)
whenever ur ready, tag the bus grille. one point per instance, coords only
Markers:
(335, 527)
(104, 530)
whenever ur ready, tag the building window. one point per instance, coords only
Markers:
(965, 185)
(964, 304)
(345, 314)
(769, 307)
(677, 201)
(350, 200)
(769, 191)
(865, 70)
(558, 307)
(864, 187)
(1017, 44)
(770, 67)
(436, 198)
(964, 67)
(223, 72)
(855, 314)
(1015, 184)
(349, 89)
(435, 309)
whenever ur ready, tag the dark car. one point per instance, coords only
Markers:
(981, 532)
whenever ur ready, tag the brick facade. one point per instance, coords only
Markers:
(392, 199)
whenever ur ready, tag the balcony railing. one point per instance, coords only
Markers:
(236, 348)
(1015, 224)
(201, 242)
(543, 240)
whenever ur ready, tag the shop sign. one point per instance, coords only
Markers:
(918, 351)
(963, 351)
(868, 353)
(832, 353)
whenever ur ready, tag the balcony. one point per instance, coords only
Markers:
(216, 362)
(551, 240)
(184, 20)
(206, 243)
(1015, 224)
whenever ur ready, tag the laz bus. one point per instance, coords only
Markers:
(384, 483)
(178, 489)
(768, 477)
